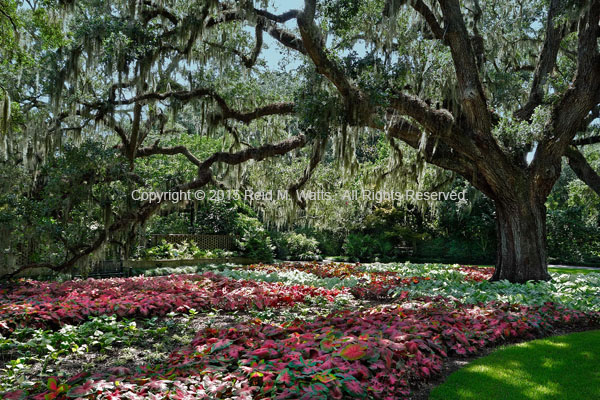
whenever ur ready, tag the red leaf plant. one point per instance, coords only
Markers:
(372, 284)
(51, 304)
(377, 353)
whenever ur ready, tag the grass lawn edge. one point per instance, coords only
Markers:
(455, 363)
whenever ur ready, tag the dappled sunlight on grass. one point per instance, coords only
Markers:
(559, 344)
(559, 271)
(507, 374)
(586, 354)
(551, 363)
(548, 390)
(564, 367)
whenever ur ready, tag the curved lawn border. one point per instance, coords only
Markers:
(558, 367)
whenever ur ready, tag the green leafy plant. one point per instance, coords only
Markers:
(360, 247)
(255, 242)
(301, 247)
(26, 346)
(182, 251)
(162, 251)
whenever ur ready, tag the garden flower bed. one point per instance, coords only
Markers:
(359, 271)
(43, 304)
(364, 281)
(381, 349)
(377, 353)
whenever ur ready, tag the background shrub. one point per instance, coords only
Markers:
(301, 247)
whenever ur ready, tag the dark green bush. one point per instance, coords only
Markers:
(454, 250)
(570, 239)
(215, 217)
(359, 246)
(330, 242)
(365, 247)
(281, 248)
(254, 241)
(171, 223)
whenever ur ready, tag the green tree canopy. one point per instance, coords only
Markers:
(498, 92)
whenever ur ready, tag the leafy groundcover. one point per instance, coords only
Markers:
(52, 304)
(364, 282)
(375, 353)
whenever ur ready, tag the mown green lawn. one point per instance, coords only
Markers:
(564, 270)
(573, 270)
(562, 367)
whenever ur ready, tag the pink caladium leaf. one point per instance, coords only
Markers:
(158, 385)
(284, 377)
(412, 347)
(327, 345)
(52, 383)
(220, 345)
(353, 352)
(353, 388)
(82, 391)
(16, 395)
(264, 353)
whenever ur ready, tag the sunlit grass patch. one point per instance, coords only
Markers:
(562, 367)
(573, 270)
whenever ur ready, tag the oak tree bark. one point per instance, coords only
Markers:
(521, 240)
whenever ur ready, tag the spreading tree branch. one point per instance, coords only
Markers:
(155, 10)
(248, 61)
(430, 18)
(280, 108)
(317, 155)
(315, 48)
(268, 22)
(436, 121)
(135, 130)
(470, 88)
(573, 109)
(436, 152)
(11, 20)
(586, 141)
(139, 216)
(582, 169)
(256, 153)
(284, 17)
(155, 149)
(546, 62)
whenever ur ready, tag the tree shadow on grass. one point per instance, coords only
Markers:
(563, 367)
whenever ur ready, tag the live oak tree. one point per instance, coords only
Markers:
(474, 140)
(499, 92)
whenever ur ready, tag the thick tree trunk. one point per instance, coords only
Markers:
(521, 226)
